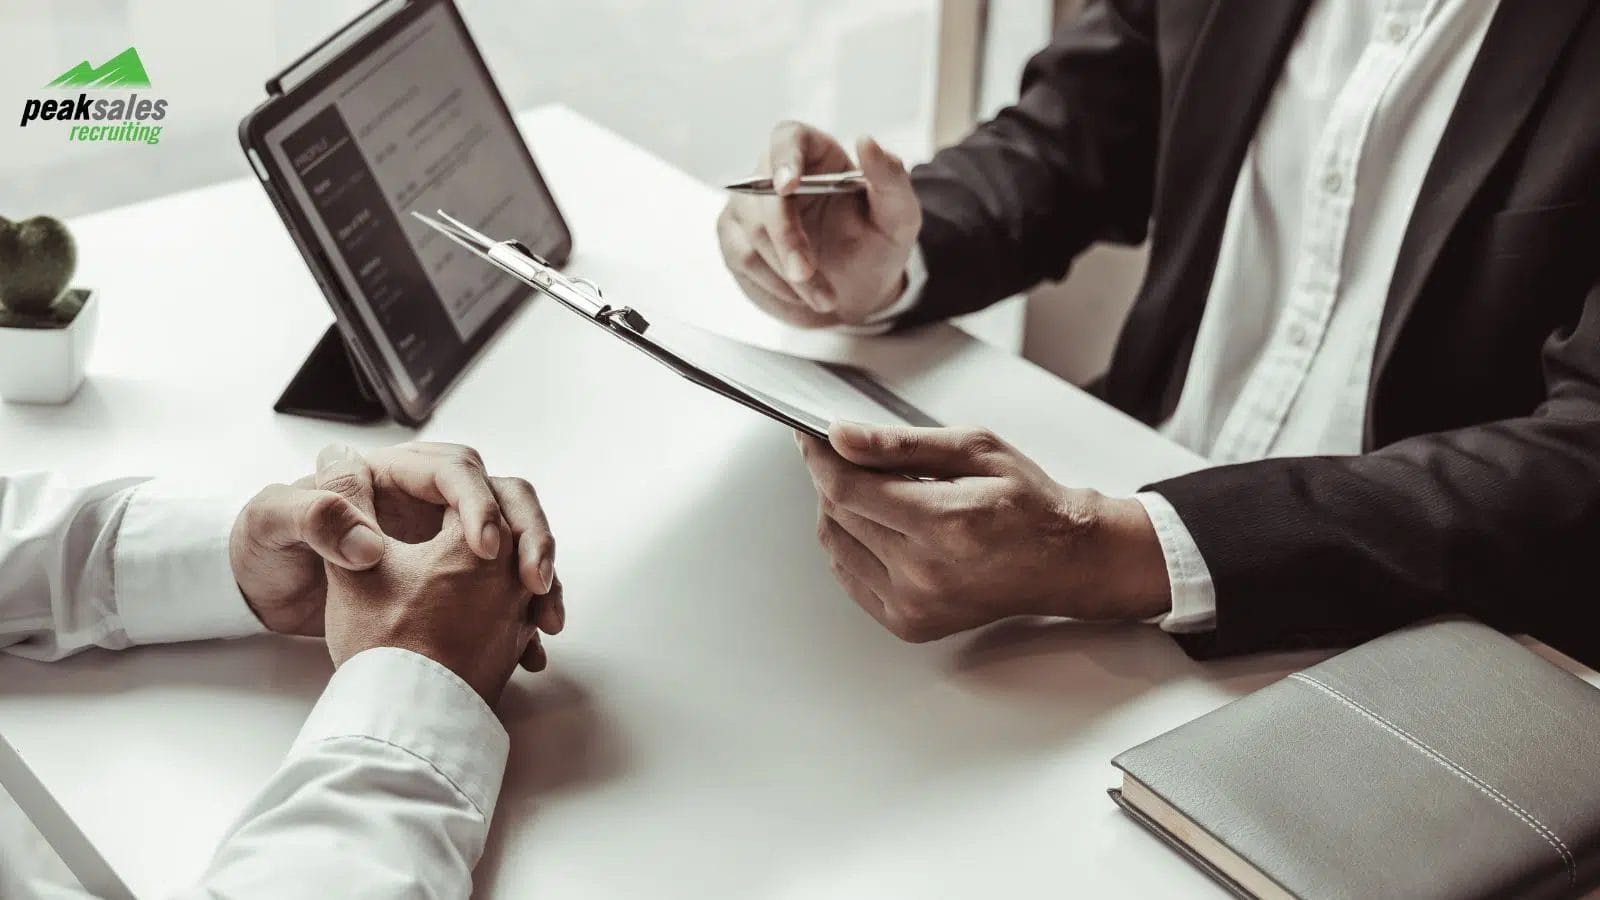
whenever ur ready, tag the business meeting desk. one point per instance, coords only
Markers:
(719, 719)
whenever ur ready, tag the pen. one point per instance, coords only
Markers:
(829, 183)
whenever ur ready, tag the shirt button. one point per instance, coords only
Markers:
(1331, 182)
(1297, 334)
(1398, 31)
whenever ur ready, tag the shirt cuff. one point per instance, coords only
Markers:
(172, 575)
(916, 279)
(411, 702)
(1194, 596)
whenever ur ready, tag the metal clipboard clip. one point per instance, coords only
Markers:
(580, 295)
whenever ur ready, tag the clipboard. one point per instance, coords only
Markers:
(584, 297)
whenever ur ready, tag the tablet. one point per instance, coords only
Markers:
(399, 112)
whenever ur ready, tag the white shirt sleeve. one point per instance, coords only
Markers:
(916, 279)
(391, 785)
(113, 564)
(387, 792)
(1194, 596)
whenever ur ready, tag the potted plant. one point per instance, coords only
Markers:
(46, 328)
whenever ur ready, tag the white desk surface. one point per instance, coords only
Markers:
(719, 720)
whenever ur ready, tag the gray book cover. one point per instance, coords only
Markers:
(1442, 760)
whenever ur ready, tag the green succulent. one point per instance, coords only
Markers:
(37, 261)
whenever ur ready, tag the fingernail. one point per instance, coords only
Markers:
(491, 540)
(852, 433)
(799, 269)
(782, 175)
(547, 573)
(561, 615)
(334, 453)
(811, 299)
(361, 546)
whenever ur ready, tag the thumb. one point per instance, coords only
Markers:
(322, 520)
(944, 452)
(889, 195)
(345, 472)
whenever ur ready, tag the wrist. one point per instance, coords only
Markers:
(282, 588)
(464, 662)
(1129, 570)
(897, 289)
(883, 310)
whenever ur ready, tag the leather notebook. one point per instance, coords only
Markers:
(1442, 760)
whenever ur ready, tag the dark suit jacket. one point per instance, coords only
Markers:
(1479, 490)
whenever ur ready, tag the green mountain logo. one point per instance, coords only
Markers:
(123, 70)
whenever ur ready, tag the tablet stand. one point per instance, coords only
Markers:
(330, 385)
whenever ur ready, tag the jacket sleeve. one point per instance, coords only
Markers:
(1072, 163)
(1500, 521)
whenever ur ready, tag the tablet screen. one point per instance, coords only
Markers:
(413, 122)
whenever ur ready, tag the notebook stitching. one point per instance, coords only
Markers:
(1488, 790)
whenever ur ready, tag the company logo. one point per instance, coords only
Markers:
(130, 119)
(125, 69)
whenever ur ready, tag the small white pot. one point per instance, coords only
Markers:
(46, 365)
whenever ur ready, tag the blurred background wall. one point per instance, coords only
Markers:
(698, 82)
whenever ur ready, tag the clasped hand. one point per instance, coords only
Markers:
(414, 546)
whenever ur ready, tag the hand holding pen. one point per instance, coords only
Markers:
(819, 242)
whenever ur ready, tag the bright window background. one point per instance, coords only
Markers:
(698, 82)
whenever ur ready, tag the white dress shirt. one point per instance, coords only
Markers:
(1284, 352)
(391, 784)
